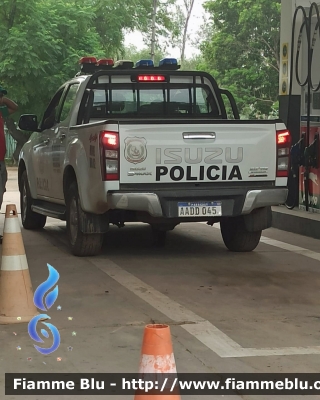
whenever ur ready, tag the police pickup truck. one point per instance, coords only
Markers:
(129, 142)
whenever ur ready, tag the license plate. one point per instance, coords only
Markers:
(200, 209)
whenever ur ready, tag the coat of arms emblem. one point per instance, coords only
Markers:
(135, 150)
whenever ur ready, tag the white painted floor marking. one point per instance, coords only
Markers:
(200, 328)
(285, 246)
(290, 247)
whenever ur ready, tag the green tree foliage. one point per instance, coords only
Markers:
(241, 50)
(42, 41)
(180, 36)
(40, 45)
(133, 54)
(192, 64)
(111, 17)
(167, 29)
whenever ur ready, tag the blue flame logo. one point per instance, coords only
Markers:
(34, 335)
(43, 289)
(44, 303)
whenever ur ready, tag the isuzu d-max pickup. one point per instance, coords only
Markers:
(142, 143)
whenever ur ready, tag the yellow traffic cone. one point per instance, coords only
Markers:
(16, 294)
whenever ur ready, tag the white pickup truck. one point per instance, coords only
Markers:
(123, 143)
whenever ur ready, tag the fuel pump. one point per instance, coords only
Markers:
(306, 70)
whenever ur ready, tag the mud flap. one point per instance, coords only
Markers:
(93, 223)
(258, 219)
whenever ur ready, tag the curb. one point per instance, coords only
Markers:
(296, 221)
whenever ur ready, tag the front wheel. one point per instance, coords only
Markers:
(30, 220)
(236, 237)
(82, 244)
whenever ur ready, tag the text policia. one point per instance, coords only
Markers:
(195, 172)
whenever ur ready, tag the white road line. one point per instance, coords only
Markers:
(200, 328)
(291, 248)
(284, 246)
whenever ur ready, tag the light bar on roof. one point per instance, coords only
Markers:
(168, 61)
(169, 64)
(88, 60)
(105, 61)
(88, 65)
(144, 64)
(124, 64)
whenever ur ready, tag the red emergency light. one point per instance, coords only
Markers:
(88, 60)
(105, 61)
(90, 65)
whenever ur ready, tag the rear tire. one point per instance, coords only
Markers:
(30, 220)
(82, 244)
(236, 237)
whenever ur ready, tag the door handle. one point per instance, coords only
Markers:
(62, 136)
(47, 141)
(199, 135)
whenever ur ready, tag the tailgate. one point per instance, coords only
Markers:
(177, 152)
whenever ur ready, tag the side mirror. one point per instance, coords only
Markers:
(28, 122)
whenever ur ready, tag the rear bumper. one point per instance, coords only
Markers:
(262, 198)
(163, 204)
(148, 202)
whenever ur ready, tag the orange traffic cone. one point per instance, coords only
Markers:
(16, 294)
(157, 358)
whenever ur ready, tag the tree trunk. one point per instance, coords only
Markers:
(20, 137)
(189, 8)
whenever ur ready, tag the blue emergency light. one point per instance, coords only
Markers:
(144, 64)
(169, 64)
(168, 61)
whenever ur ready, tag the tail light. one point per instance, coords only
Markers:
(109, 142)
(283, 153)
